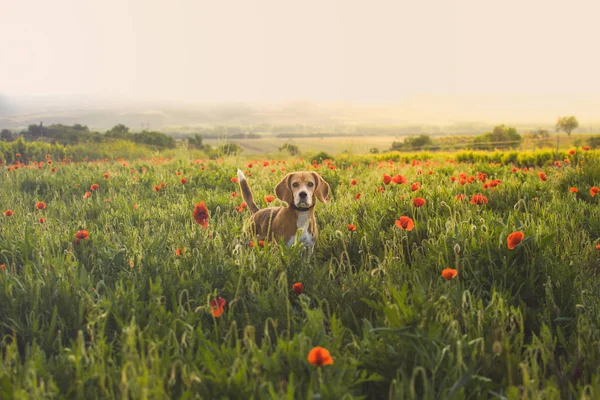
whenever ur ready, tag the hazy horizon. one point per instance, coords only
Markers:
(409, 61)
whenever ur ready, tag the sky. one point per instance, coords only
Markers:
(368, 52)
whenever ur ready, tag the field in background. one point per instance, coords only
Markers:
(363, 144)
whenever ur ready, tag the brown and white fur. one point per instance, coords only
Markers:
(300, 190)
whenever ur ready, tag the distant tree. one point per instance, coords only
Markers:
(594, 141)
(374, 150)
(6, 135)
(414, 143)
(154, 139)
(501, 137)
(195, 142)
(567, 124)
(230, 149)
(292, 149)
(119, 131)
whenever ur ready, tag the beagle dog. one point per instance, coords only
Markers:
(300, 190)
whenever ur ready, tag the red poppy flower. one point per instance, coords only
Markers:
(543, 176)
(8, 213)
(514, 239)
(586, 148)
(53, 170)
(459, 197)
(380, 189)
(598, 247)
(106, 176)
(572, 152)
(179, 252)
(40, 205)
(234, 194)
(261, 243)
(405, 223)
(399, 179)
(218, 306)
(87, 195)
(201, 214)
(479, 199)
(357, 196)
(353, 182)
(250, 243)
(415, 186)
(320, 356)
(82, 235)
(298, 288)
(94, 186)
(594, 191)
(573, 190)
(156, 188)
(178, 173)
(453, 178)
(449, 273)
(3, 267)
(351, 227)
(387, 179)
(183, 181)
(42, 220)
(269, 198)
(419, 201)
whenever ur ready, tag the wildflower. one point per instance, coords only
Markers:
(250, 243)
(357, 196)
(269, 198)
(351, 227)
(419, 201)
(106, 175)
(179, 252)
(156, 188)
(514, 239)
(201, 214)
(387, 179)
(94, 186)
(234, 194)
(298, 288)
(594, 191)
(81, 235)
(87, 195)
(479, 199)
(405, 223)
(380, 189)
(572, 152)
(8, 213)
(3, 267)
(42, 220)
(453, 179)
(183, 181)
(598, 247)
(415, 186)
(573, 190)
(543, 176)
(218, 306)
(459, 197)
(261, 243)
(178, 173)
(586, 148)
(449, 273)
(399, 179)
(40, 205)
(319, 356)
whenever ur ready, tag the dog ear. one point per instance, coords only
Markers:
(283, 190)
(322, 189)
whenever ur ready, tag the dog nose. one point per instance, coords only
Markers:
(302, 195)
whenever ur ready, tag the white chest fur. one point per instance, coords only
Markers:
(302, 223)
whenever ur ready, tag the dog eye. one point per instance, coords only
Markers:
(295, 184)
(310, 184)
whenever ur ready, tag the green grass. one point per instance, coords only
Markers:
(122, 316)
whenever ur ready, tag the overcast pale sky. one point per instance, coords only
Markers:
(322, 50)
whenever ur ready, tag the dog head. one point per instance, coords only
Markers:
(300, 189)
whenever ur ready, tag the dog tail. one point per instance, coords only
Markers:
(246, 192)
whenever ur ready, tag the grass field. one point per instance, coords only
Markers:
(119, 292)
